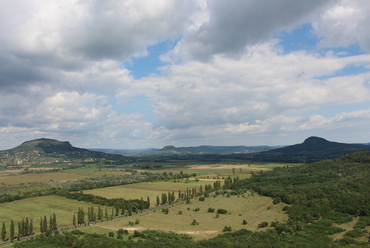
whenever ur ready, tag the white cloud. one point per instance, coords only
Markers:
(344, 24)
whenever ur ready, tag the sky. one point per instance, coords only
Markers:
(137, 74)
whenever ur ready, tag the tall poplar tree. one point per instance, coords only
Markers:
(41, 225)
(74, 220)
(11, 230)
(148, 201)
(30, 229)
(19, 230)
(3, 232)
(55, 227)
(45, 223)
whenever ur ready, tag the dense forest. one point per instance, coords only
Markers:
(319, 195)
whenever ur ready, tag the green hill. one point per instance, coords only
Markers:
(46, 146)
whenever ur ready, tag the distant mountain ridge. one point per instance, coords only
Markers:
(316, 144)
(203, 150)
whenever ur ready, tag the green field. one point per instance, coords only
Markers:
(14, 178)
(39, 206)
(254, 209)
(148, 189)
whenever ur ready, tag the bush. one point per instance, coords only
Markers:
(206, 195)
(201, 198)
(197, 209)
(137, 234)
(221, 211)
(227, 229)
(274, 223)
(180, 212)
(263, 224)
(137, 221)
(194, 222)
(77, 232)
(277, 200)
(244, 222)
(361, 225)
(120, 231)
(354, 233)
(211, 210)
(111, 234)
(119, 236)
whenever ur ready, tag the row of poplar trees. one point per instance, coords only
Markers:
(170, 197)
(25, 227)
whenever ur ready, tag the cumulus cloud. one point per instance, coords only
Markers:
(344, 24)
(234, 24)
(62, 71)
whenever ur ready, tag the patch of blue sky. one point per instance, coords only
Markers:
(348, 70)
(140, 105)
(299, 38)
(302, 38)
(144, 66)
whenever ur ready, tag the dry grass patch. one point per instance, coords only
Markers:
(254, 209)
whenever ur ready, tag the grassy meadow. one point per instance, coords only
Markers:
(14, 177)
(254, 209)
(147, 189)
(37, 207)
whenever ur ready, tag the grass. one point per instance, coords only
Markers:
(148, 189)
(37, 207)
(14, 178)
(254, 209)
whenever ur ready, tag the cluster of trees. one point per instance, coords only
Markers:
(52, 224)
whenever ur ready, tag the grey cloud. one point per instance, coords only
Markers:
(234, 24)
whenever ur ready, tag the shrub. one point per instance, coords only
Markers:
(180, 212)
(137, 234)
(201, 198)
(221, 211)
(120, 231)
(211, 210)
(119, 236)
(197, 209)
(277, 200)
(244, 222)
(77, 232)
(111, 234)
(354, 233)
(137, 221)
(274, 223)
(361, 225)
(263, 224)
(227, 229)
(206, 195)
(194, 222)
